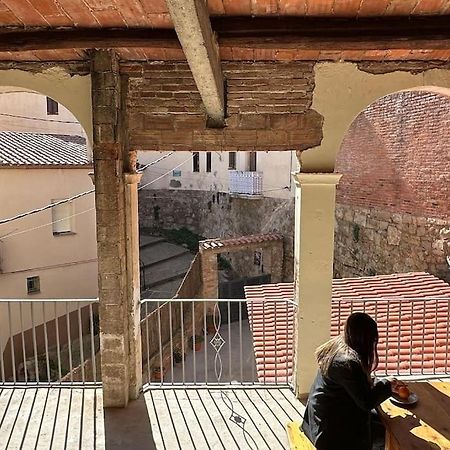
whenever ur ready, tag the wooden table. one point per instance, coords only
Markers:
(425, 426)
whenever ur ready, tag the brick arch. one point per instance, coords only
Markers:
(396, 154)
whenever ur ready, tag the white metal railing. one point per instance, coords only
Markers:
(414, 335)
(217, 342)
(243, 182)
(47, 342)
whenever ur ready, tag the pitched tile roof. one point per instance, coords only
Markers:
(412, 311)
(216, 244)
(18, 149)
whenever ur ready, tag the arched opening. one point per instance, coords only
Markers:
(72, 91)
(48, 250)
(343, 90)
(392, 201)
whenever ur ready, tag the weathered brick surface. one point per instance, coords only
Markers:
(396, 156)
(111, 243)
(393, 198)
(268, 108)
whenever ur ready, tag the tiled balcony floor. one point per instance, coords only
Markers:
(169, 419)
(51, 418)
(73, 418)
(242, 418)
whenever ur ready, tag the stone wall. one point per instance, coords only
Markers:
(191, 285)
(374, 241)
(217, 214)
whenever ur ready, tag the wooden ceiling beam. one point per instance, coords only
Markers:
(193, 28)
(86, 38)
(421, 33)
(315, 33)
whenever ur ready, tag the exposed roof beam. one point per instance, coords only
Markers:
(305, 33)
(85, 38)
(193, 27)
(418, 33)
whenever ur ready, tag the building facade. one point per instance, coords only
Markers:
(50, 254)
(247, 173)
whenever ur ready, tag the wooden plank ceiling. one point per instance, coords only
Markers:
(153, 14)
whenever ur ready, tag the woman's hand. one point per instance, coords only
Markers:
(396, 385)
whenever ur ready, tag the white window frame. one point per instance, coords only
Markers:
(37, 288)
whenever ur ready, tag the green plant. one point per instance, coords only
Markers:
(177, 355)
(183, 236)
(356, 231)
(223, 263)
(196, 343)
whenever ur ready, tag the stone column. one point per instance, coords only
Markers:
(117, 279)
(133, 283)
(314, 247)
(210, 274)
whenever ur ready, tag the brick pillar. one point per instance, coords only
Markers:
(276, 262)
(313, 248)
(210, 274)
(120, 357)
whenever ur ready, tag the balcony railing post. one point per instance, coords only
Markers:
(37, 353)
(239, 342)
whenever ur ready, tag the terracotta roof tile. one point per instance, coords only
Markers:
(19, 149)
(214, 244)
(412, 311)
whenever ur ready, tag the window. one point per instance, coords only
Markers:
(252, 162)
(196, 162)
(208, 161)
(232, 161)
(33, 285)
(52, 107)
(62, 216)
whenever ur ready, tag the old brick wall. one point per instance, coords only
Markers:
(393, 199)
(396, 156)
(217, 214)
(268, 108)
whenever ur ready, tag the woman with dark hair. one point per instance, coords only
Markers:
(339, 413)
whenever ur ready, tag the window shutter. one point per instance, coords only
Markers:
(62, 222)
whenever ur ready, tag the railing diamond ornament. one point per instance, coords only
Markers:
(217, 342)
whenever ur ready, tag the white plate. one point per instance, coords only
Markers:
(412, 400)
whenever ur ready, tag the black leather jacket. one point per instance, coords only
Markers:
(337, 415)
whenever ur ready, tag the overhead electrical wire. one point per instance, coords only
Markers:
(8, 236)
(15, 116)
(140, 170)
(74, 197)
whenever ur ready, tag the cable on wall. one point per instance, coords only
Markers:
(74, 197)
(8, 236)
